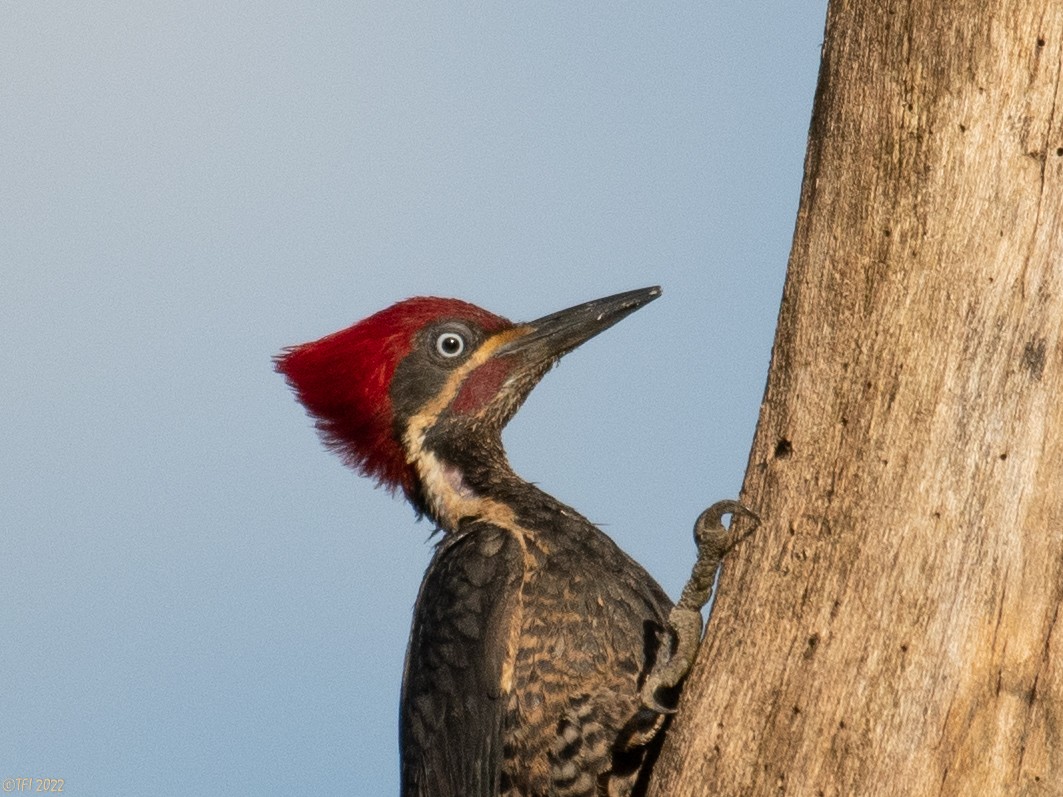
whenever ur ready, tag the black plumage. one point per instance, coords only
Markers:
(578, 624)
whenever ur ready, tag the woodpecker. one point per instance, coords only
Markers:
(542, 659)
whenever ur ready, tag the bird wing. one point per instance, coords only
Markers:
(453, 700)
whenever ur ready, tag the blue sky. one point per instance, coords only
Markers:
(195, 596)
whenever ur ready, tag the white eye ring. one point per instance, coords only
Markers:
(450, 345)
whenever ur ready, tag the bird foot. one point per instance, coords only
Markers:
(674, 661)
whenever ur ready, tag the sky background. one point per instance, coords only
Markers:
(195, 596)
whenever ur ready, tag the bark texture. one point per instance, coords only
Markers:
(894, 627)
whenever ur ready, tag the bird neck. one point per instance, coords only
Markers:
(465, 481)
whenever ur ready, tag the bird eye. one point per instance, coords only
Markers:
(450, 345)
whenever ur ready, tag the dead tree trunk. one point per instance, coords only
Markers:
(895, 625)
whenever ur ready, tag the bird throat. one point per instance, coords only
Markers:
(449, 497)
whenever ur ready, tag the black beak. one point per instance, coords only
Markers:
(559, 333)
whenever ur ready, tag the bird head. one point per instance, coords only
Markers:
(430, 376)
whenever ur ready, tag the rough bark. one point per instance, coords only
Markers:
(894, 627)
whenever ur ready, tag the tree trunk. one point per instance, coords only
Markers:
(894, 626)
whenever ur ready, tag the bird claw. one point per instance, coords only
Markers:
(668, 671)
(714, 541)
(713, 538)
(651, 702)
